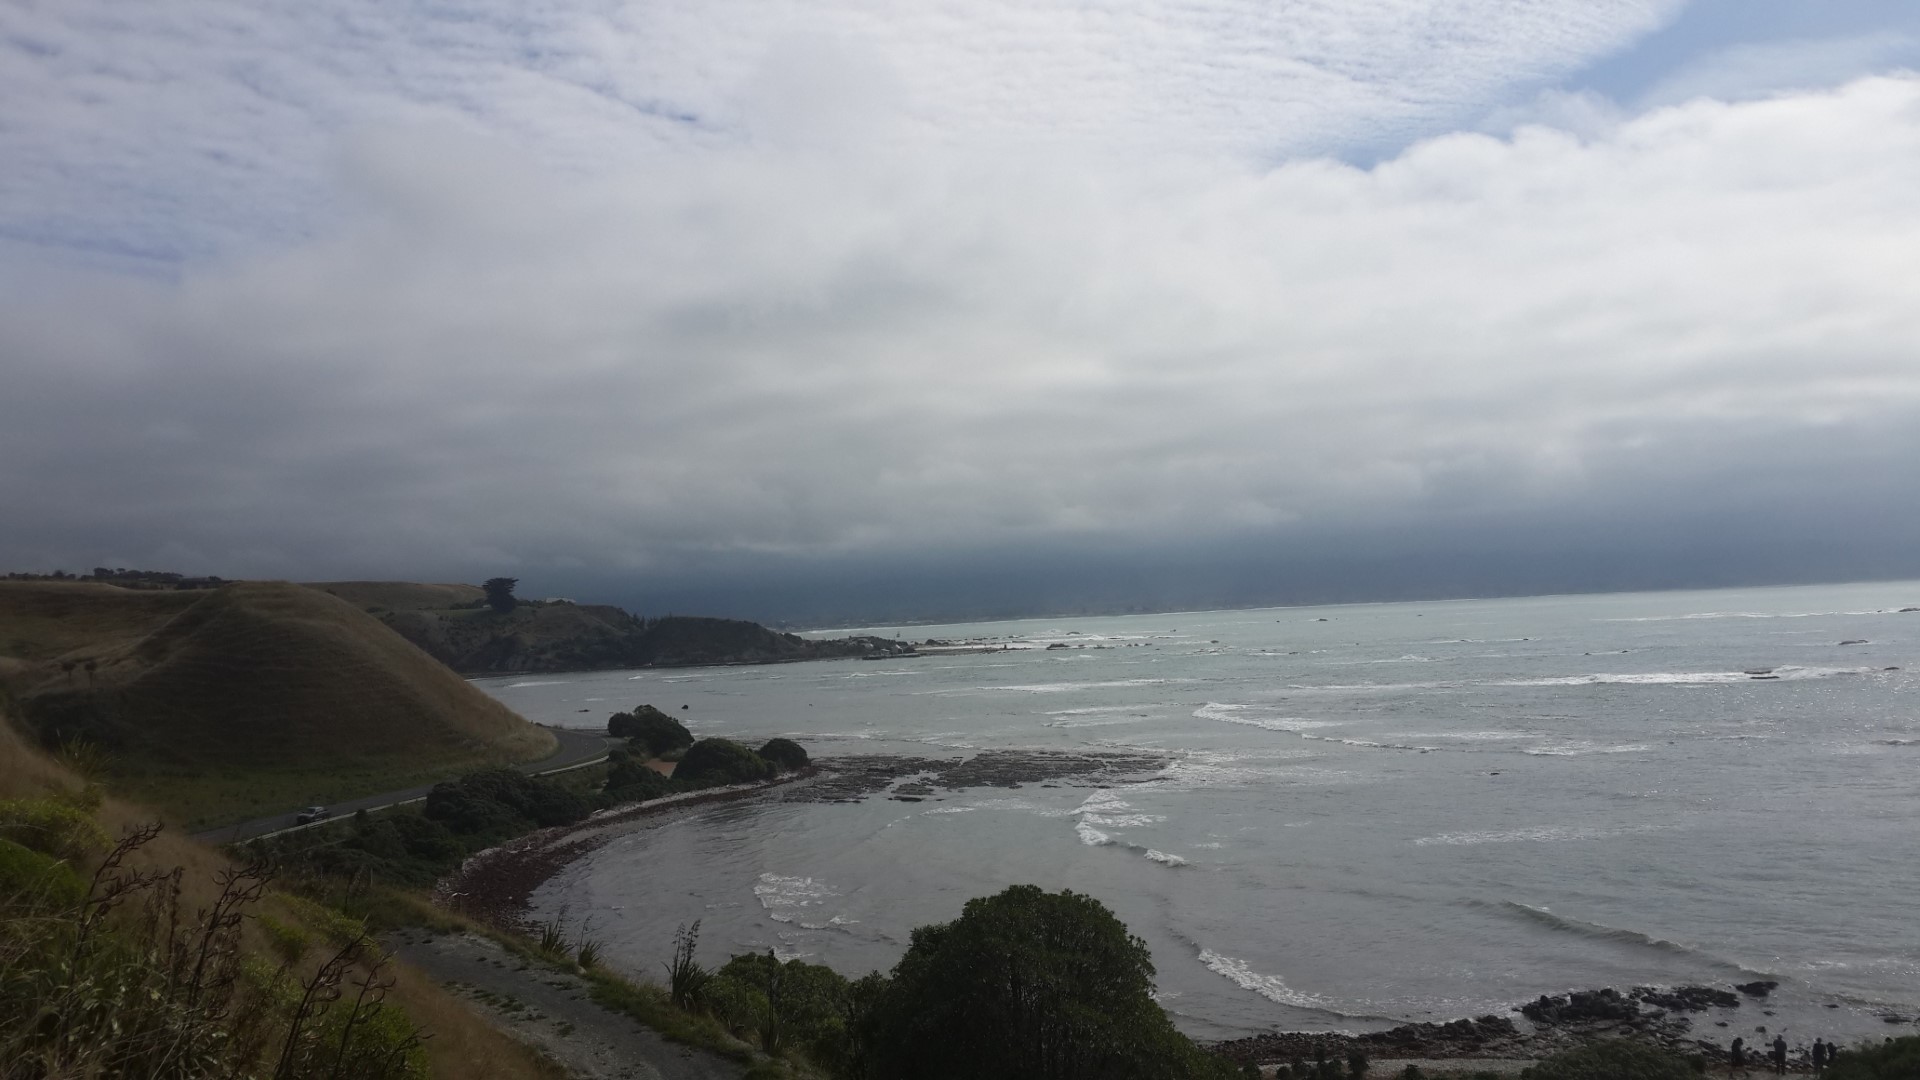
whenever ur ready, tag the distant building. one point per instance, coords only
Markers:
(558, 600)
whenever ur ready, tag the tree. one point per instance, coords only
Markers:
(500, 593)
(1030, 984)
(785, 753)
(722, 761)
(650, 730)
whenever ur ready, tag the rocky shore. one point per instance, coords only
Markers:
(1546, 1025)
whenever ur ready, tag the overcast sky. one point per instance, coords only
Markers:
(805, 310)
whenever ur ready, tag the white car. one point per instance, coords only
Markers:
(312, 814)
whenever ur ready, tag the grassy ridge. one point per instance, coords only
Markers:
(250, 698)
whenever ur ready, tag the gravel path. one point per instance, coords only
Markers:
(552, 1011)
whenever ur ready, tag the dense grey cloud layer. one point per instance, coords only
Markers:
(831, 330)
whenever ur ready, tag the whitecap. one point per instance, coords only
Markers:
(1164, 858)
(1091, 836)
(1271, 987)
(1251, 715)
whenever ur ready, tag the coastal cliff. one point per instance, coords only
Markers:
(453, 624)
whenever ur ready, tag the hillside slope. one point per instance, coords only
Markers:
(463, 1046)
(284, 691)
(452, 624)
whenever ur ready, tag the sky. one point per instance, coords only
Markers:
(847, 310)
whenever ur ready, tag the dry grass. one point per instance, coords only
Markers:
(254, 697)
(41, 620)
(463, 1046)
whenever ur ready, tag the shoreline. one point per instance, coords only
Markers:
(496, 886)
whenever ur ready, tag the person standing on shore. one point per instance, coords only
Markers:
(1780, 1054)
(1819, 1056)
(1737, 1056)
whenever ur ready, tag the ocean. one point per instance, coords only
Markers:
(1362, 815)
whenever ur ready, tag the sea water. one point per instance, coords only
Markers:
(1366, 814)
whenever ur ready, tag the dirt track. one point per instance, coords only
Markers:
(551, 1010)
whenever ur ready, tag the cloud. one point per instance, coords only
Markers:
(853, 349)
(163, 133)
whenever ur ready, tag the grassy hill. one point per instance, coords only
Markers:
(453, 624)
(220, 704)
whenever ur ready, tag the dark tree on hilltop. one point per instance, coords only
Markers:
(500, 593)
(1029, 984)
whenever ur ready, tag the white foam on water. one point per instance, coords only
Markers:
(1094, 721)
(1070, 687)
(1575, 749)
(1549, 834)
(1091, 836)
(784, 896)
(953, 810)
(540, 682)
(1686, 678)
(1164, 858)
(1371, 744)
(1256, 716)
(1750, 615)
(1194, 773)
(1123, 821)
(1271, 987)
(1211, 845)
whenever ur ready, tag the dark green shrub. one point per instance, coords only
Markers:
(1030, 984)
(650, 730)
(1613, 1059)
(721, 761)
(501, 801)
(30, 879)
(1896, 1060)
(785, 753)
(629, 778)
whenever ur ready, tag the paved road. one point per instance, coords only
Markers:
(577, 748)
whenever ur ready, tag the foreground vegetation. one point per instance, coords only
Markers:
(151, 957)
(1023, 984)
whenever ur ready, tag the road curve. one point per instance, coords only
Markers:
(578, 748)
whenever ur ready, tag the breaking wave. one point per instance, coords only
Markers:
(1249, 715)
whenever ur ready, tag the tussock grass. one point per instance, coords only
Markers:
(266, 960)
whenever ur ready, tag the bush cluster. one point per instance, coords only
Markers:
(712, 762)
(650, 730)
(415, 847)
(785, 753)
(1026, 983)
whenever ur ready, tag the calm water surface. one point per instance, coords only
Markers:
(1368, 814)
